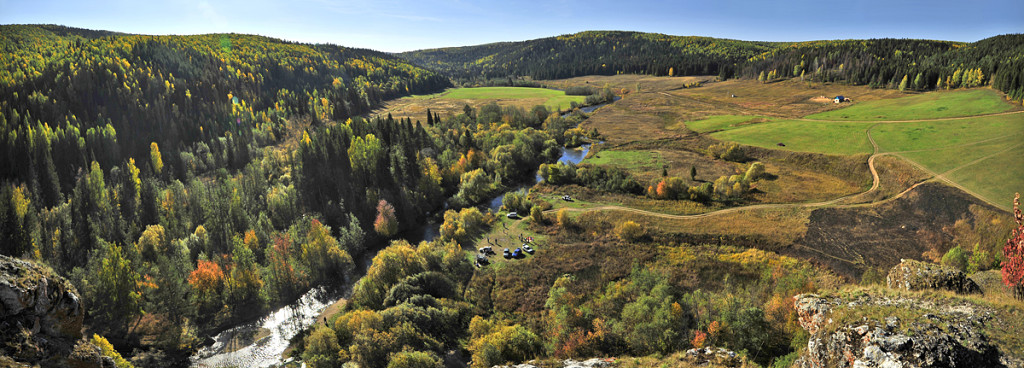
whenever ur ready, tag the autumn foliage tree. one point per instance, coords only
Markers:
(1013, 253)
(207, 281)
(386, 224)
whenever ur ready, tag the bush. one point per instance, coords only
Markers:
(563, 219)
(516, 202)
(537, 215)
(754, 172)
(630, 231)
(108, 350)
(871, 276)
(981, 260)
(955, 258)
(727, 151)
(321, 348)
(504, 344)
(579, 91)
(414, 359)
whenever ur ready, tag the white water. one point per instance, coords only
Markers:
(283, 324)
(279, 327)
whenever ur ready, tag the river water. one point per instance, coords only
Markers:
(260, 343)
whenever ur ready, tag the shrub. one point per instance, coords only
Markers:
(504, 344)
(754, 172)
(630, 231)
(414, 359)
(321, 348)
(980, 260)
(537, 215)
(563, 219)
(955, 258)
(516, 202)
(108, 350)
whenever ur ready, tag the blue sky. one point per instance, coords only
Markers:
(391, 25)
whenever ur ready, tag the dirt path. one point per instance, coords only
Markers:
(876, 182)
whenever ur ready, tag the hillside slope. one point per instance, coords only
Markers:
(108, 96)
(591, 53)
(882, 63)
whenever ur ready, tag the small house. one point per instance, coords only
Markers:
(840, 99)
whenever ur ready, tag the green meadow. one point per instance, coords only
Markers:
(552, 98)
(630, 160)
(983, 151)
(804, 136)
(933, 105)
(722, 122)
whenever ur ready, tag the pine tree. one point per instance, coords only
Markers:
(903, 83)
(917, 82)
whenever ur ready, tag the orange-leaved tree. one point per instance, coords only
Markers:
(207, 281)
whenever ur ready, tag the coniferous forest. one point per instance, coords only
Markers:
(187, 183)
(881, 63)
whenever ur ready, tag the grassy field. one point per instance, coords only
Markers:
(452, 101)
(723, 122)
(996, 178)
(940, 145)
(942, 160)
(630, 160)
(805, 136)
(555, 98)
(932, 105)
(945, 133)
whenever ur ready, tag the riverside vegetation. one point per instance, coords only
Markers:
(187, 183)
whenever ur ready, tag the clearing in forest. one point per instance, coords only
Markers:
(452, 101)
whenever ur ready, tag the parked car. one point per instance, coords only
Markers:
(527, 248)
(567, 198)
(506, 254)
(486, 250)
(512, 215)
(517, 253)
(482, 260)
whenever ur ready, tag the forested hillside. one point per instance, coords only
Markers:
(72, 96)
(162, 174)
(590, 53)
(882, 63)
(184, 184)
(899, 63)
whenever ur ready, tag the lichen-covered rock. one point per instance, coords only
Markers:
(942, 336)
(568, 363)
(812, 311)
(719, 357)
(916, 275)
(87, 355)
(41, 317)
(589, 363)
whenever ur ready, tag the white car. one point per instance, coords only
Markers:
(527, 248)
(512, 215)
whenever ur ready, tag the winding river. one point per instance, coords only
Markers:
(260, 343)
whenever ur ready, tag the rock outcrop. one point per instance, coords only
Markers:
(720, 357)
(569, 363)
(937, 336)
(916, 275)
(41, 318)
